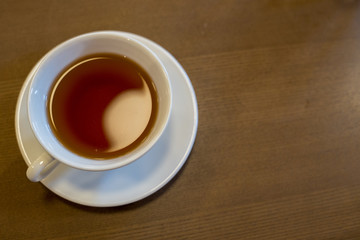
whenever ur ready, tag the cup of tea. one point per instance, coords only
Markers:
(98, 101)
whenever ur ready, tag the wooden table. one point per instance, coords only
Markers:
(277, 154)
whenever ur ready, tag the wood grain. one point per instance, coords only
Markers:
(278, 144)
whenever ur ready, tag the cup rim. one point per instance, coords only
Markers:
(93, 164)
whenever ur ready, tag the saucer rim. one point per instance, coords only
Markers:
(184, 77)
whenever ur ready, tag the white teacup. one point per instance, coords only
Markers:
(54, 63)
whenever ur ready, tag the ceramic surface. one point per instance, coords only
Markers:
(138, 179)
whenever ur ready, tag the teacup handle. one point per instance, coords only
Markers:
(40, 168)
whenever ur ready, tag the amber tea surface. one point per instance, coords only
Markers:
(102, 106)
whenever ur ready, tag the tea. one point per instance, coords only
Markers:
(102, 106)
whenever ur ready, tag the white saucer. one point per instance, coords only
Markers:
(138, 179)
